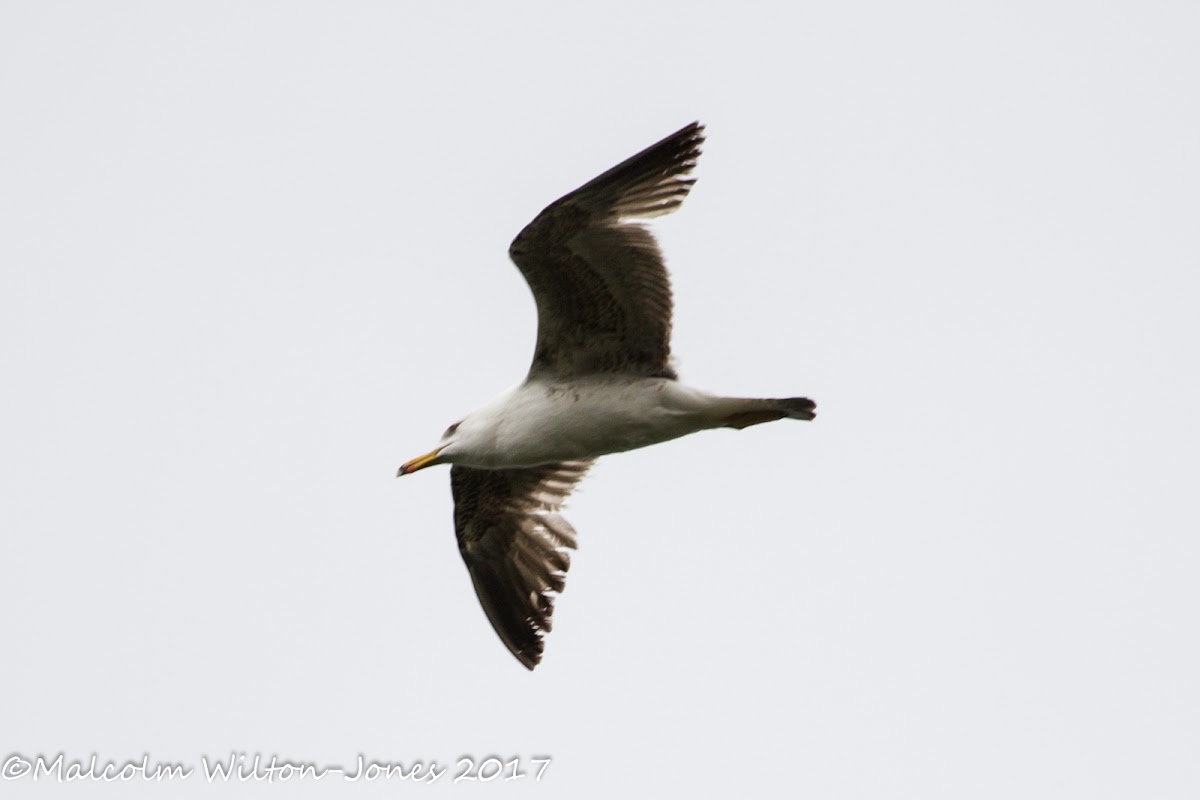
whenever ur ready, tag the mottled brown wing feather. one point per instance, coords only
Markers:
(602, 292)
(515, 545)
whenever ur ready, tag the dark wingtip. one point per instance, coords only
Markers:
(531, 654)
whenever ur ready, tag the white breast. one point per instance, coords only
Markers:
(541, 422)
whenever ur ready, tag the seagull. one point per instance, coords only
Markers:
(601, 382)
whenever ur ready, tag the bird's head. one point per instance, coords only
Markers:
(443, 453)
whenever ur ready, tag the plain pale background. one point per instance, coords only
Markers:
(253, 256)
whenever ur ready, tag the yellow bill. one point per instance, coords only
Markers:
(420, 462)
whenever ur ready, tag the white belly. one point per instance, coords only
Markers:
(544, 422)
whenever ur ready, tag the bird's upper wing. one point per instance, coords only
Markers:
(515, 545)
(602, 292)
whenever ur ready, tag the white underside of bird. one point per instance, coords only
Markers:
(544, 421)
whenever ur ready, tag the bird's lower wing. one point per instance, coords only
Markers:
(516, 545)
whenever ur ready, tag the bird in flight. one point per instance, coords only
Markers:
(601, 382)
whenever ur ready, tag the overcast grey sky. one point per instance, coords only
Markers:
(253, 256)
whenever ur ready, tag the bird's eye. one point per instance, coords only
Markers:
(451, 429)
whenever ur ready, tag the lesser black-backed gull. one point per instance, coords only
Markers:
(601, 382)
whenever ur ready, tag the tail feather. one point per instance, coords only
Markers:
(798, 407)
(756, 412)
